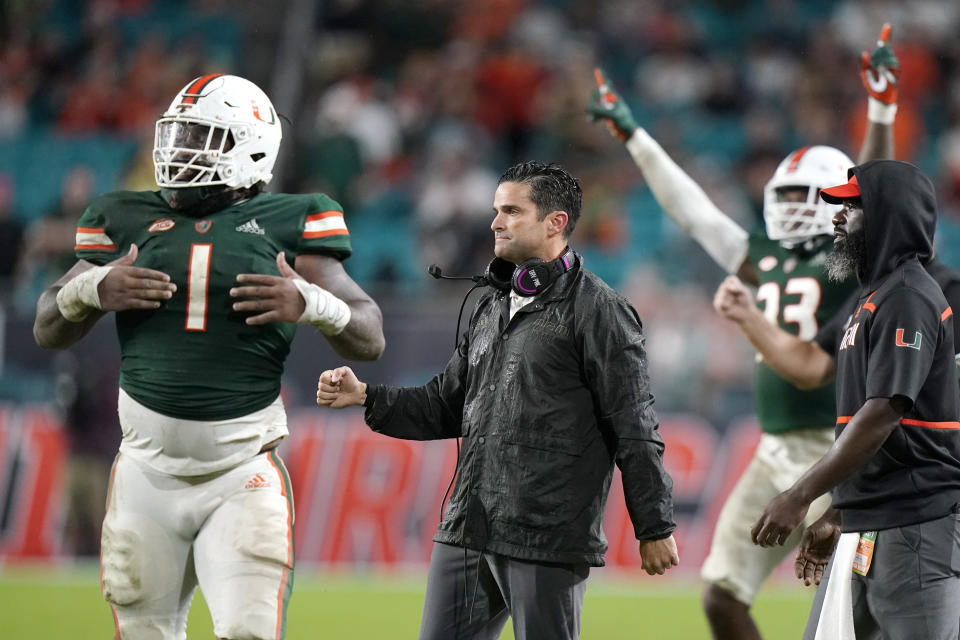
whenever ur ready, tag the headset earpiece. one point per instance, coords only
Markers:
(531, 277)
(499, 274)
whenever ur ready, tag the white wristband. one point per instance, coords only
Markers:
(325, 311)
(80, 296)
(880, 112)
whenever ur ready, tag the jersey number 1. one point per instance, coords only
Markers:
(802, 313)
(198, 279)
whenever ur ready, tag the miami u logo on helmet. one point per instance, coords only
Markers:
(256, 113)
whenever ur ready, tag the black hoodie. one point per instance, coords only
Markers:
(899, 342)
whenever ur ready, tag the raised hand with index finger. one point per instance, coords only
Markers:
(880, 69)
(607, 106)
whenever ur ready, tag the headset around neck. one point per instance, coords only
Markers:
(530, 277)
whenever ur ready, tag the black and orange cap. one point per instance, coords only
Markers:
(841, 192)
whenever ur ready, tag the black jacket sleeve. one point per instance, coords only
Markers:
(615, 364)
(430, 412)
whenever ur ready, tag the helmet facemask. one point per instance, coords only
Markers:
(192, 153)
(795, 213)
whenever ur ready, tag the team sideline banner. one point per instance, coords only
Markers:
(364, 500)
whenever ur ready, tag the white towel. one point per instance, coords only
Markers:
(836, 615)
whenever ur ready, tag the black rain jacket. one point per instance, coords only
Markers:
(545, 404)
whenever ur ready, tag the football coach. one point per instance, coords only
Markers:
(548, 388)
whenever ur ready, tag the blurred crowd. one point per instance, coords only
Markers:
(408, 112)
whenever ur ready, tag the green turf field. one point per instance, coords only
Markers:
(47, 604)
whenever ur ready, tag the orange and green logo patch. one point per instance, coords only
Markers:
(917, 339)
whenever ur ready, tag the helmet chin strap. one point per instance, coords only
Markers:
(202, 201)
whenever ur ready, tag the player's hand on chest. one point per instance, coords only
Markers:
(207, 260)
(211, 252)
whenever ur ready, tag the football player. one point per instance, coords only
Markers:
(786, 266)
(208, 278)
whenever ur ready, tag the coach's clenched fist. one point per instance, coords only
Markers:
(339, 388)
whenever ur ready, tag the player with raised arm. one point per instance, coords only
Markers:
(786, 266)
(208, 277)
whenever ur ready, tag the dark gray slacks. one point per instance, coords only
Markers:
(471, 599)
(912, 589)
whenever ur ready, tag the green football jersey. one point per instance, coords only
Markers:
(194, 357)
(796, 294)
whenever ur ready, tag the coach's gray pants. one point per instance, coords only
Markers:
(912, 589)
(470, 595)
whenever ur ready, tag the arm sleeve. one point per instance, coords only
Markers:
(952, 293)
(325, 229)
(430, 412)
(902, 341)
(95, 242)
(616, 366)
(830, 334)
(687, 204)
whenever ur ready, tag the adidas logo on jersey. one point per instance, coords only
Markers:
(257, 482)
(251, 226)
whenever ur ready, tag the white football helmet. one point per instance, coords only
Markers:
(219, 130)
(792, 207)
